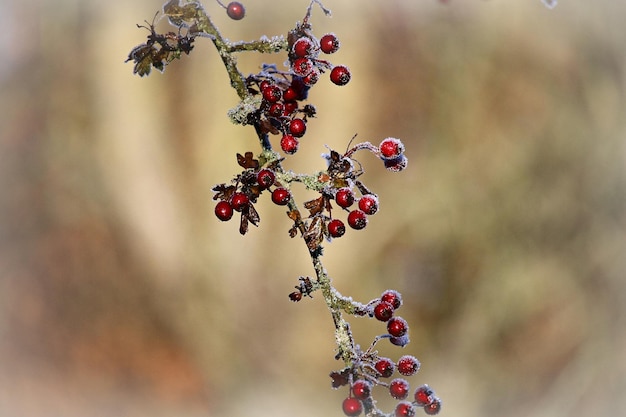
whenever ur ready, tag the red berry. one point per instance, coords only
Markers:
(408, 365)
(265, 178)
(357, 219)
(281, 196)
(383, 311)
(224, 211)
(276, 109)
(289, 144)
(368, 204)
(238, 201)
(264, 84)
(340, 75)
(297, 127)
(336, 228)
(235, 10)
(399, 388)
(302, 47)
(391, 148)
(361, 389)
(434, 407)
(272, 93)
(424, 395)
(329, 43)
(302, 67)
(352, 406)
(385, 367)
(405, 409)
(344, 197)
(312, 77)
(393, 297)
(290, 94)
(397, 326)
(290, 107)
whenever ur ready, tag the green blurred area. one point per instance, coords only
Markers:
(122, 295)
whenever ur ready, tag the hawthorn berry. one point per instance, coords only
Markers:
(368, 204)
(397, 327)
(302, 67)
(391, 148)
(265, 178)
(361, 389)
(289, 144)
(272, 93)
(408, 365)
(336, 228)
(385, 367)
(434, 407)
(224, 211)
(357, 219)
(290, 107)
(344, 197)
(281, 196)
(276, 109)
(290, 94)
(329, 43)
(340, 75)
(393, 297)
(238, 201)
(235, 10)
(383, 311)
(424, 395)
(312, 77)
(399, 388)
(405, 409)
(352, 407)
(297, 127)
(302, 47)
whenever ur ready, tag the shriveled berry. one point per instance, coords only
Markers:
(289, 144)
(329, 43)
(399, 388)
(383, 311)
(352, 407)
(424, 395)
(302, 47)
(235, 10)
(397, 326)
(265, 178)
(344, 197)
(357, 219)
(408, 365)
(397, 164)
(401, 341)
(302, 67)
(361, 389)
(272, 93)
(224, 211)
(238, 201)
(393, 297)
(340, 75)
(297, 127)
(281, 196)
(336, 228)
(368, 204)
(391, 148)
(405, 409)
(385, 367)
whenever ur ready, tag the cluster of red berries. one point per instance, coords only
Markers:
(370, 369)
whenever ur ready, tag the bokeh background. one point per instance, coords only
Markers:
(122, 295)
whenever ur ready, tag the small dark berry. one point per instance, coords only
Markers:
(399, 388)
(224, 211)
(289, 144)
(297, 127)
(385, 367)
(329, 43)
(340, 75)
(391, 148)
(368, 204)
(238, 201)
(361, 389)
(235, 10)
(424, 395)
(393, 297)
(401, 341)
(302, 67)
(265, 178)
(281, 196)
(357, 219)
(344, 197)
(383, 311)
(336, 228)
(405, 409)
(397, 164)
(397, 326)
(302, 47)
(408, 365)
(272, 93)
(352, 407)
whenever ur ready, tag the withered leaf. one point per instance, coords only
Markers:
(243, 225)
(317, 205)
(294, 215)
(223, 191)
(247, 161)
(314, 235)
(340, 379)
(252, 215)
(293, 231)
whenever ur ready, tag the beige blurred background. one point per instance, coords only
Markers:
(122, 295)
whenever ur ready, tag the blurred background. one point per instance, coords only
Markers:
(122, 295)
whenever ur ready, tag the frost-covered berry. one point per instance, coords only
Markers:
(385, 367)
(297, 127)
(265, 178)
(383, 311)
(368, 204)
(276, 109)
(235, 10)
(302, 47)
(344, 197)
(340, 75)
(361, 389)
(397, 326)
(312, 77)
(224, 211)
(424, 395)
(336, 228)
(399, 388)
(405, 409)
(391, 148)
(397, 164)
(408, 365)
(281, 196)
(352, 407)
(272, 93)
(393, 297)
(289, 144)
(357, 219)
(238, 201)
(401, 341)
(302, 67)
(434, 407)
(329, 43)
